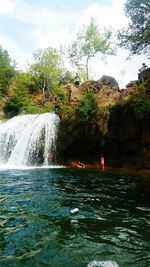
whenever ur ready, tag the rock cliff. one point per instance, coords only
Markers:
(126, 140)
(106, 89)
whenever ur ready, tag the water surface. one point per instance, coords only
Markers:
(37, 229)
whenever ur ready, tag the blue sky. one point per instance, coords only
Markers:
(27, 25)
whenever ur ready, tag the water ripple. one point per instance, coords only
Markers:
(37, 229)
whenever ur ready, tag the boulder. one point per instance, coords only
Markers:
(108, 80)
(108, 96)
(134, 83)
(90, 85)
(73, 93)
(127, 93)
(144, 75)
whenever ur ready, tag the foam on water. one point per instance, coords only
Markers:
(24, 167)
(103, 264)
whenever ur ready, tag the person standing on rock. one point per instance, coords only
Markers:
(144, 67)
(77, 80)
(141, 72)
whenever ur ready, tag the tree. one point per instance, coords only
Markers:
(88, 107)
(136, 37)
(66, 77)
(89, 42)
(19, 101)
(7, 71)
(46, 70)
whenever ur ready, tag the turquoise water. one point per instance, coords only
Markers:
(37, 229)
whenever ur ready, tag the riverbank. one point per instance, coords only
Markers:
(124, 170)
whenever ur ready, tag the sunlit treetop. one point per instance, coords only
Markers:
(136, 37)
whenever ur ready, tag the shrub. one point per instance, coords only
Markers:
(141, 106)
(88, 107)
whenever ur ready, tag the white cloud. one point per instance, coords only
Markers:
(35, 16)
(106, 16)
(15, 51)
(50, 27)
(119, 67)
(51, 38)
(7, 6)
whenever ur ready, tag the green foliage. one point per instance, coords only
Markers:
(104, 116)
(19, 102)
(136, 37)
(142, 86)
(60, 101)
(7, 71)
(32, 91)
(81, 119)
(141, 106)
(30, 82)
(83, 74)
(46, 71)
(79, 133)
(88, 107)
(89, 42)
(38, 109)
(61, 96)
(19, 99)
(66, 77)
(138, 105)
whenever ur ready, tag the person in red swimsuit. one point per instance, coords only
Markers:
(102, 163)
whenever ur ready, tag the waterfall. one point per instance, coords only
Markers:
(29, 140)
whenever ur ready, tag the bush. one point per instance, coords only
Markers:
(141, 106)
(88, 107)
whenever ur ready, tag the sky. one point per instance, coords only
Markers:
(28, 25)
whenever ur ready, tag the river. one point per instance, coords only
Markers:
(112, 227)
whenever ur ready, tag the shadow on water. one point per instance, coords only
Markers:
(37, 229)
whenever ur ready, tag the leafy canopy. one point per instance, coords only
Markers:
(89, 41)
(19, 99)
(141, 106)
(7, 71)
(46, 70)
(88, 107)
(136, 37)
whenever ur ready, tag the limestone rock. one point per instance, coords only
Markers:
(132, 84)
(144, 75)
(108, 80)
(127, 93)
(107, 96)
(106, 90)
(90, 85)
(74, 93)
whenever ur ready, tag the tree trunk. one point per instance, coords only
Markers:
(43, 90)
(87, 68)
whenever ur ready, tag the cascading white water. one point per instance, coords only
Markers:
(29, 140)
